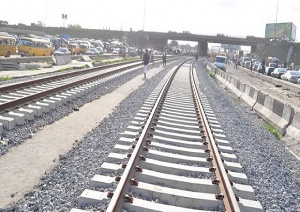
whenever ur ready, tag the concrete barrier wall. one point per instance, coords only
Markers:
(62, 59)
(235, 86)
(281, 115)
(249, 95)
(293, 128)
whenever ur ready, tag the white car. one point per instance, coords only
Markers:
(100, 50)
(116, 51)
(62, 51)
(92, 51)
(291, 76)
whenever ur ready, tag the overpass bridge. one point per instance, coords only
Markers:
(158, 40)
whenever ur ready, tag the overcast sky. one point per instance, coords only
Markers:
(229, 17)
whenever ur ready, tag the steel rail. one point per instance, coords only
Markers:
(229, 199)
(14, 86)
(119, 196)
(43, 94)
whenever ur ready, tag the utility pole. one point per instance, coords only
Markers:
(144, 16)
(276, 19)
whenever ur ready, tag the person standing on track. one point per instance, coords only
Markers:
(146, 59)
(164, 57)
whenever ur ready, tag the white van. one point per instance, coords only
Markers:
(221, 62)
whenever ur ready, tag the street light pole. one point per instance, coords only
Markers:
(276, 19)
(144, 16)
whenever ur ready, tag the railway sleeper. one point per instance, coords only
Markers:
(180, 117)
(175, 181)
(176, 158)
(179, 142)
(182, 112)
(192, 152)
(196, 132)
(179, 121)
(149, 206)
(177, 197)
(181, 126)
(173, 168)
(169, 107)
(178, 135)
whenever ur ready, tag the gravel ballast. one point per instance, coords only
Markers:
(272, 170)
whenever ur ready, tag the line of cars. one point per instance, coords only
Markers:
(273, 67)
(76, 49)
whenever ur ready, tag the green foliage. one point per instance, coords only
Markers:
(5, 78)
(67, 69)
(272, 130)
(98, 60)
(212, 75)
(3, 23)
(174, 43)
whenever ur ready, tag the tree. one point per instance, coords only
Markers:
(174, 43)
(3, 23)
(75, 26)
(188, 47)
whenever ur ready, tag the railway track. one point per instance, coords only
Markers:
(173, 156)
(43, 58)
(22, 101)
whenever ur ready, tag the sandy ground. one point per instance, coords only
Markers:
(24, 73)
(23, 166)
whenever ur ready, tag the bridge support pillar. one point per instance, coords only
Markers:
(202, 48)
(253, 49)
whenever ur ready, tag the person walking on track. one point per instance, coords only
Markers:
(164, 57)
(146, 59)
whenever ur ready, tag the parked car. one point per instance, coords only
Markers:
(298, 81)
(92, 51)
(100, 49)
(61, 51)
(269, 69)
(291, 76)
(255, 66)
(116, 51)
(247, 64)
(259, 68)
(278, 72)
(244, 60)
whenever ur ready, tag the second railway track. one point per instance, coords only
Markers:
(173, 157)
(22, 101)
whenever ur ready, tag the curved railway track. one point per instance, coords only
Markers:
(173, 157)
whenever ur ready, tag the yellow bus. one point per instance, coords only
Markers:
(74, 48)
(35, 47)
(7, 45)
(83, 48)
